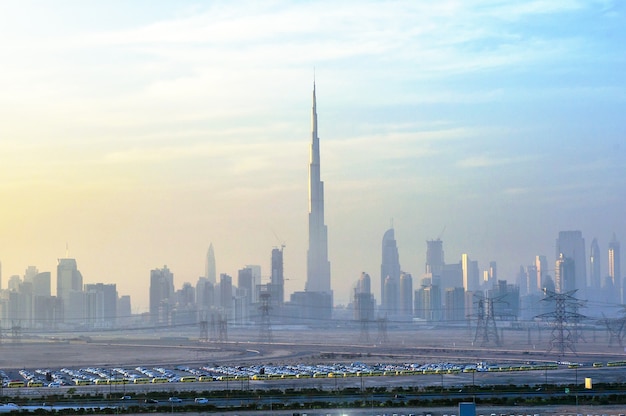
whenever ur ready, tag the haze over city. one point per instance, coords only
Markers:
(134, 135)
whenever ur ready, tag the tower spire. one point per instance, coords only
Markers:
(318, 266)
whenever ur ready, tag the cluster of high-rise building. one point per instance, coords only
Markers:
(451, 291)
(28, 301)
(443, 292)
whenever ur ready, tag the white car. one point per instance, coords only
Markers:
(201, 400)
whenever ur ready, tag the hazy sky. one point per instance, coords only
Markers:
(138, 132)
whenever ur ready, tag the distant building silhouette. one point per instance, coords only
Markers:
(69, 281)
(571, 245)
(434, 258)
(363, 302)
(452, 275)
(101, 305)
(541, 265)
(428, 303)
(470, 273)
(615, 268)
(42, 284)
(506, 300)
(205, 295)
(161, 295)
(318, 266)
(565, 274)
(493, 272)
(406, 295)
(390, 274)
(455, 304)
(277, 278)
(245, 284)
(210, 269)
(595, 274)
(226, 295)
(522, 281)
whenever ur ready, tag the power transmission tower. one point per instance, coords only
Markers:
(265, 327)
(564, 320)
(615, 329)
(204, 327)
(382, 331)
(213, 327)
(222, 329)
(16, 332)
(486, 328)
(365, 330)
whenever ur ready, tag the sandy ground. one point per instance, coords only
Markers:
(291, 345)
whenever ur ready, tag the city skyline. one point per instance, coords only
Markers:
(140, 135)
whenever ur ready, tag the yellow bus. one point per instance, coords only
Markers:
(117, 381)
(205, 378)
(188, 379)
(159, 380)
(616, 364)
(141, 380)
(81, 382)
(15, 384)
(34, 383)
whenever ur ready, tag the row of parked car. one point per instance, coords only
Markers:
(143, 375)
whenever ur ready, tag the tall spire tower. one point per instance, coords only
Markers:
(318, 266)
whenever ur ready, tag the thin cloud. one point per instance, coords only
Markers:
(487, 161)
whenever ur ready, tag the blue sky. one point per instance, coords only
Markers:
(139, 132)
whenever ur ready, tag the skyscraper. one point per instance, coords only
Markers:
(210, 272)
(572, 245)
(363, 302)
(406, 295)
(470, 273)
(389, 273)
(318, 266)
(434, 257)
(541, 264)
(277, 277)
(161, 295)
(614, 267)
(565, 274)
(69, 280)
(595, 276)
